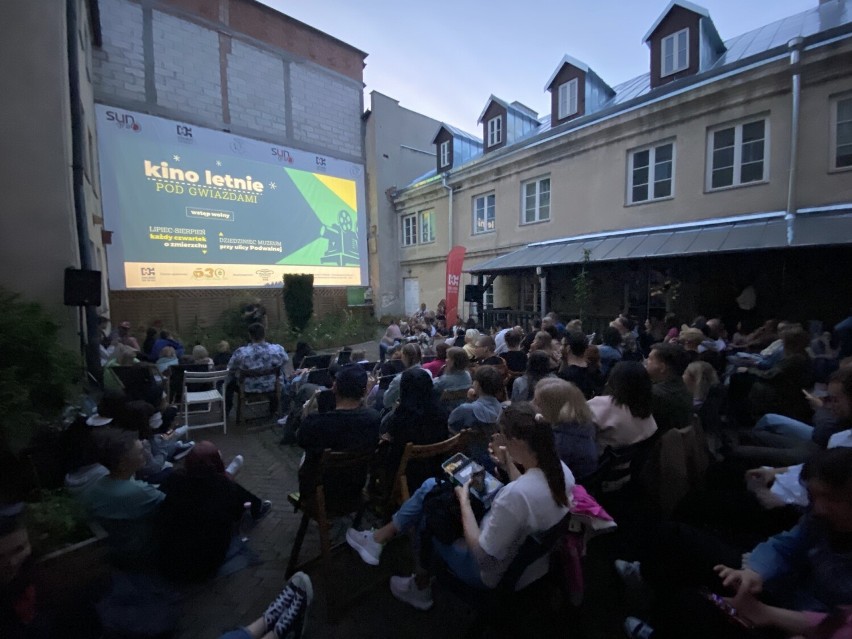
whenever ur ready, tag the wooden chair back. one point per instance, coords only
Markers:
(438, 452)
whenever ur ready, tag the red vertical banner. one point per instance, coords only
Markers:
(455, 259)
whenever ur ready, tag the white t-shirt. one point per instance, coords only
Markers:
(522, 507)
(616, 425)
(787, 485)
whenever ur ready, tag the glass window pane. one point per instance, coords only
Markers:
(753, 131)
(640, 176)
(640, 158)
(752, 152)
(722, 177)
(544, 212)
(844, 156)
(844, 133)
(663, 171)
(663, 188)
(663, 153)
(723, 138)
(844, 110)
(544, 185)
(640, 193)
(544, 198)
(751, 172)
(723, 158)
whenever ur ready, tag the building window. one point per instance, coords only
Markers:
(675, 53)
(495, 131)
(488, 298)
(568, 98)
(409, 230)
(445, 153)
(738, 154)
(650, 173)
(841, 131)
(483, 213)
(427, 226)
(536, 200)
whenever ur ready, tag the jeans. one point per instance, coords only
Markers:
(456, 556)
(786, 426)
(238, 633)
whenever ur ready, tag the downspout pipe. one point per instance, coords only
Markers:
(77, 150)
(795, 46)
(445, 182)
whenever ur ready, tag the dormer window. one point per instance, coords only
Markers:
(495, 131)
(568, 98)
(445, 153)
(675, 53)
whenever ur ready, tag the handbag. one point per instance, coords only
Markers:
(442, 512)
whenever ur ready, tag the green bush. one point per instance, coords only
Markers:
(299, 300)
(54, 521)
(35, 370)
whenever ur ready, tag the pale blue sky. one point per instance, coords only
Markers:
(444, 58)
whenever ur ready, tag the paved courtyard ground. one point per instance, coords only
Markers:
(358, 590)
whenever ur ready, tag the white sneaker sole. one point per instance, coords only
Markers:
(366, 557)
(402, 595)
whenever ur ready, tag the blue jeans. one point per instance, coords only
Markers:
(786, 426)
(238, 633)
(456, 556)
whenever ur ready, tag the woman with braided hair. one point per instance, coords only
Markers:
(532, 502)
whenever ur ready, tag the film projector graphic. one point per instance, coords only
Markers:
(342, 242)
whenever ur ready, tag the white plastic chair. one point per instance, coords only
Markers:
(208, 397)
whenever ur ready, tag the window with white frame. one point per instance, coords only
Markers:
(483, 213)
(568, 98)
(675, 53)
(488, 298)
(738, 154)
(427, 226)
(495, 130)
(409, 230)
(445, 153)
(650, 173)
(536, 200)
(841, 133)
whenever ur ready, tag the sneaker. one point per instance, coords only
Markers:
(265, 508)
(630, 573)
(298, 583)
(292, 619)
(406, 590)
(235, 465)
(363, 543)
(282, 421)
(637, 629)
(183, 449)
(181, 432)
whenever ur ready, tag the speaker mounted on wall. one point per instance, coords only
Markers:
(82, 287)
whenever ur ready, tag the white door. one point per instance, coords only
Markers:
(411, 288)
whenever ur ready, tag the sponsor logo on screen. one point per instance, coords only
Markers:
(123, 120)
(237, 146)
(208, 273)
(265, 274)
(321, 163)
(184, 133)
(282, 155)
(148, 274)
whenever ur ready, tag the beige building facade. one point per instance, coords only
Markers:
(712, 147)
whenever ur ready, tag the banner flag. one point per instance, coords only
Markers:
(455, 259)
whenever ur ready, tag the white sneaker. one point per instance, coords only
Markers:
(181, 432)
(630, 573)
(364, 544)
(235, 465)
(283, 421)
(405, 589)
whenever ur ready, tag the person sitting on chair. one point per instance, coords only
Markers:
(532, 502)
(258, 355)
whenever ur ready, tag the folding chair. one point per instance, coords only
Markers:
(316, 507)
(208, 397)
(437, 452)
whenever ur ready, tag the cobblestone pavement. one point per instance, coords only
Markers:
(360, 591)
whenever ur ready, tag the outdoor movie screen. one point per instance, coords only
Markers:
(191, 207)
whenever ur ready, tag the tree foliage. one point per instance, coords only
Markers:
(299, 300)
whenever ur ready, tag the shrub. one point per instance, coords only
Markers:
(299, 300)
(36, 371)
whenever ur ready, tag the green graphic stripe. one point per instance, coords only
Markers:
(309, 254)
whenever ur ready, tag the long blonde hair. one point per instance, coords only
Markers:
(559, 401)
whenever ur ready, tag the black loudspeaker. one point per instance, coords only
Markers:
(473, 293)
(82, 288)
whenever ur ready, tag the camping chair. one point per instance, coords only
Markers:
(317, 508)
(207, 397)
(251, 399)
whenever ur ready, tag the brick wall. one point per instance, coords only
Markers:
(186, 67)
(119, 66)
(325, 110)
(256, 90)
(299, 92)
